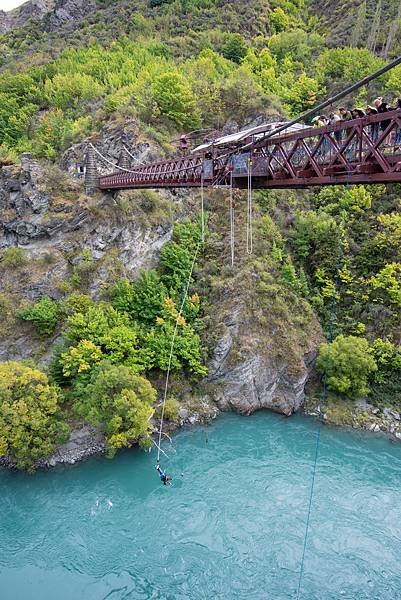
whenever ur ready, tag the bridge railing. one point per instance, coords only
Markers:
(367, 146)
(371, 144)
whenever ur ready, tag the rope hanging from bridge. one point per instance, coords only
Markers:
(249, 218)
(203, 204)
(177, 320)
(324, 393)
(232, 220)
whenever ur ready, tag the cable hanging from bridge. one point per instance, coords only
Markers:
(324, 390)
(111, 163)
(232, 219)
(203, 204)
(177, 321)
(249, 218)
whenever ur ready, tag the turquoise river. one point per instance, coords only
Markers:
(230, 527)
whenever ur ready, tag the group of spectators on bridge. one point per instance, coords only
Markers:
(345, 114)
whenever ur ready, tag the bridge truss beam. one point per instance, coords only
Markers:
(364, 150)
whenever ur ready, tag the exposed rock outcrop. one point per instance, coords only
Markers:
(84, 441)
(46, 213)
(52, 14)
(252, 380)
(35, 10)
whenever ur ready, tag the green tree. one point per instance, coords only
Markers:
(299, 92)
(30, 421)
(67, 90)
(172, 97)
(338, 67)
(388, 359)
(187, 351)
(121, 402)
(78, 360)
(111, 332)
(279, 21)
(388, 280)
(15, 121)
(316, 237)
(52, 134)
(234, 48)
(44, 314)
(143, 298)
(349, 364)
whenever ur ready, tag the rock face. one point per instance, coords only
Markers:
(34, 10)
(254, 381)
(51, 13)
(254, 384)
(84, 442)
(45, 212)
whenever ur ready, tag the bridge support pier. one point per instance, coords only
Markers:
(124, 160)
(91, 176)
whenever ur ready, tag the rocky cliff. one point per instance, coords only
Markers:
(48, 14)
(254, 362)
(35, 10)
(45, 213)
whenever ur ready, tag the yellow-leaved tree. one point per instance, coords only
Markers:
(30, 421)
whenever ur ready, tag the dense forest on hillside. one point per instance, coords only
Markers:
(174, 67)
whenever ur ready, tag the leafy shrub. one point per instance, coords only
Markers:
(349, 363)
(234, 48)
(316, 236)
(388, 280)
(171, 409)
(187, 351)
(112, 333)
(121, 401)
(388, 359)
(30, 421)
(13, 257)
(143, 299)
(77, 303)
(44, 314)
(80, 359)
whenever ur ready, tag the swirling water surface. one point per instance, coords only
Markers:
(230, 527)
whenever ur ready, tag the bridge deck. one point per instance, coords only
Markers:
(364, 150)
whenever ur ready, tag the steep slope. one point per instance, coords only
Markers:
(33, 10)
(90, 285)
(363, 23)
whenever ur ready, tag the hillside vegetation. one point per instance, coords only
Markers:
(173, 67)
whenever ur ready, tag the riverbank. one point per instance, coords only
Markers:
(358, 414)
(86, 441)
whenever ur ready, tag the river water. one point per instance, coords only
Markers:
(230, 527)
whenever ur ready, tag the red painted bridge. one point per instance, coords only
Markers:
(366, 150)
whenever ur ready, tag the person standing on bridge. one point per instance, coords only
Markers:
(345, 114)
(382, 107)
(374, 128)
(398, 131)
(335, 118)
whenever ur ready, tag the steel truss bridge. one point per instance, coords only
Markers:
(366, 150)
